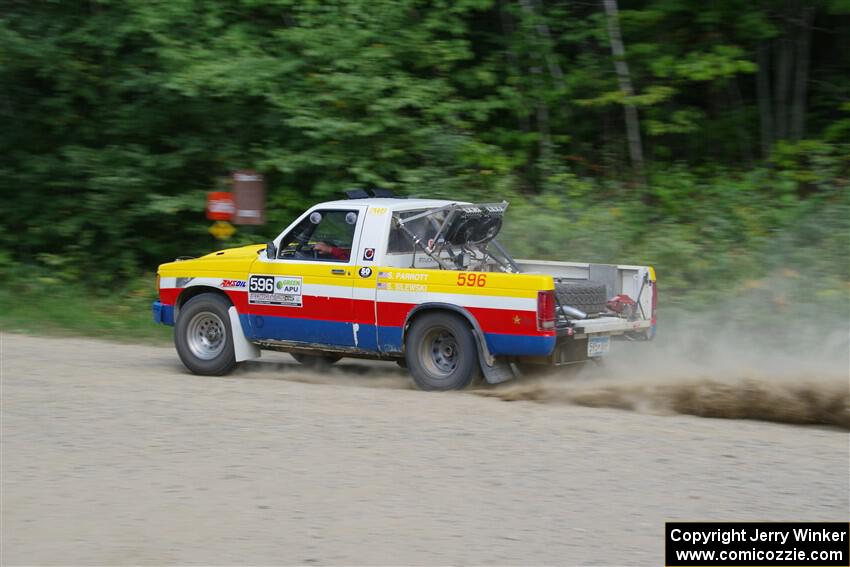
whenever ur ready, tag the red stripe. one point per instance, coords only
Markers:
(390, 314)
(168, 296)
(505, 321)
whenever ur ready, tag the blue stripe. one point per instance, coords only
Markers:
(369, 337)
(337, 333)
(519, 345)
(389, 339)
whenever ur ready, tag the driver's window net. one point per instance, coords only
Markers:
(322, 235)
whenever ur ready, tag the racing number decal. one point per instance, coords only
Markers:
(262, 284)
(472, 280)
(275, 290)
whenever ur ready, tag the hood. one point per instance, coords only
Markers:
(249, 251)
(223, 260)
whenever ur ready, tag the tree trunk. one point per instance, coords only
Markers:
(513, 62)
(801, 78)
(533, 8)
(736, 102)
(536, 71)
(764, 99)
(625, 81)
(784, 68)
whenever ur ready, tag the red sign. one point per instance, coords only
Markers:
(220, 206)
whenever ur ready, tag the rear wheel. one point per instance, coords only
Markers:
(315, 360)
(441, 353)
(203, 335)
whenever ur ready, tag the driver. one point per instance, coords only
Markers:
(334, 252)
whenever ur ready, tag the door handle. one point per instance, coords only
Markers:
(338, 272)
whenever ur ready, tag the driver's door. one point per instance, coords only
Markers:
(305, 294)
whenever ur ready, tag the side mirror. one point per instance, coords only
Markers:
(271, 251)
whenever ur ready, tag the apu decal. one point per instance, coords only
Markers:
(365, 272)
(369, 254)
(275, 290)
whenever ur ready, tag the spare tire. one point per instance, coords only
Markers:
(589, 296)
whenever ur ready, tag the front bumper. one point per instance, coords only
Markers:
(163, 314)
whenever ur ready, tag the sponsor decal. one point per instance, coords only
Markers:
(384, 275)
(409, 277)
(369, 254)
(275, 290)
(365, 272)
(419, 288)
(382, 285)
(425, 261)
(233, 283)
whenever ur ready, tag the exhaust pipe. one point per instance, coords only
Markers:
(572, 312)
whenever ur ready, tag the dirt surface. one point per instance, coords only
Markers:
(113, 454)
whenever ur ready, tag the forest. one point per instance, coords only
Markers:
(709, 139)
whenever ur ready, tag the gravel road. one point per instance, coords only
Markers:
(114, 454)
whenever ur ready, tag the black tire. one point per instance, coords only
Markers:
(441, 353)
(589, 296)
(203, 335)
(315, 360)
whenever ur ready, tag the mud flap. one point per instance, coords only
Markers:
(243, 349)
(501, 371)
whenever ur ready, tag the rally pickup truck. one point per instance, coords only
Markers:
(421, 282)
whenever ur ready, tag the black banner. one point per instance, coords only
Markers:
(742, 544)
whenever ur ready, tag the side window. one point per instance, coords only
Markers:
(323, 236)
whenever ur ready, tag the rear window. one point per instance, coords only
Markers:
(425, 228)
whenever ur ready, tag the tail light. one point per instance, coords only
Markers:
(546, 310)
(654, 300)
(650, 333)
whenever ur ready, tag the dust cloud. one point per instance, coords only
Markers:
(701, 368)
(347, 372)
(695, 367)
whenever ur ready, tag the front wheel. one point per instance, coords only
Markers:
(441, 353)
(203, 335)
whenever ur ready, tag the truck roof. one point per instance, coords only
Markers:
(393, 204)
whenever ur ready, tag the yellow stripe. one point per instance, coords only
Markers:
(495, 284)
(651, 273)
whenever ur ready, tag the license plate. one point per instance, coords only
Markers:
(597, 346)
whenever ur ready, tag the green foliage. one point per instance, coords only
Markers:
(119, 116)
(709, 236)
(41, 300)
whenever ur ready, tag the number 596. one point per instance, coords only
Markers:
(472, 280)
